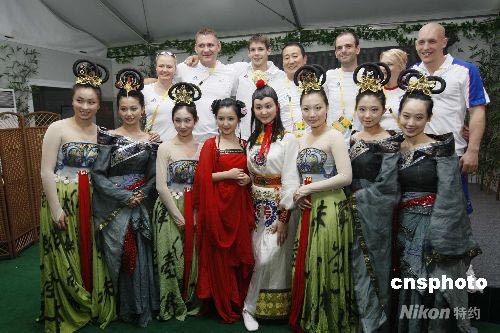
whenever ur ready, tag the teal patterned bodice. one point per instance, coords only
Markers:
(181, 174)
(315, 163)
(75, 156)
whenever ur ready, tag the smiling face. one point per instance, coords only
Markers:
(258, 54)
(314, 109)
(413, 117)
(165, 67)
(85, 103)
(430, 44)
(130, 110)
(265, 110)
(369, 111)
(207, 47)
(227, 120)
(346, 50)
(184, 122)
(393, 65)
(292, 60)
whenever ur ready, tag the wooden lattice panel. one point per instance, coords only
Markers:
(20, 183)
(36, 125)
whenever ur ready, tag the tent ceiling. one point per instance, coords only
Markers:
(123, 22)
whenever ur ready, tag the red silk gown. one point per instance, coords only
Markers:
(224, 222)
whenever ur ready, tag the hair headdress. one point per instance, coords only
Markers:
(89, 73)
(414, 81)
(309, 77)
(371, 78)
(259, 75)
(129, 79)
(184, 92)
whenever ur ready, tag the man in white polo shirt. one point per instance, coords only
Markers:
(464, 92)
(215, 80)
(259, 50)
(342, 89)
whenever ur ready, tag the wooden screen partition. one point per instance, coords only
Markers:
(20, 183)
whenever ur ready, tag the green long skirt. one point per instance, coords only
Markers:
(168, 255)
(329, 303)
(66, 305)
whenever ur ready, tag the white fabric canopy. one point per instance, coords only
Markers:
(31, 22)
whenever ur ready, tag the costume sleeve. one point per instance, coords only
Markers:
(162, 162)
(290, 179)
(100, 177)
(449, 232)
(474, 89)
(342, 163)
(50, 149)
(150, 173)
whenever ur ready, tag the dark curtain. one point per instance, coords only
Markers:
(327, 59)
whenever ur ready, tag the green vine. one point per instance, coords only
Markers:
(20, 64)
(399, 33)
(489, 152)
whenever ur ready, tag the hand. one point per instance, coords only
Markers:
(62, 222)
(469, 162)
(465, 132)
(134, 200)
(235, 173)
(282, 231)
(154, 137)
(303, 203)
(192, 61)
(301, 192)
(243, 179)
(179, 221)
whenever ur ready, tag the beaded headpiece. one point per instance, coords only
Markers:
(184, 92)
(129, 79)
(89, 73)
(371, 78)
(259, 75)
(414, 81)
(309, 77)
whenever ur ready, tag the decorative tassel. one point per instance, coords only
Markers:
(188, 239)
(298, 287)
(85, 232)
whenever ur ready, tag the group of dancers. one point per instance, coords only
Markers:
(302, 228)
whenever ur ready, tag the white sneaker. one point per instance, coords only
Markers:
(470, 273)
(250, 323)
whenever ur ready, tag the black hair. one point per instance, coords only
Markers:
(302, 50)
(79, 86)
(237, 106)
(429, 103)
(130, 82)
(256, 124)
(373, 71)
(137, 94)
(320, 75)
(404, 81)
(83, 68)
(191, 108)
(379, 95)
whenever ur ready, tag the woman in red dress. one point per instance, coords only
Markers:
(224, 215)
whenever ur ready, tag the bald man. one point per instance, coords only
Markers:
(464, 92)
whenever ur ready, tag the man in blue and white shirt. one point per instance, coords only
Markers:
(464, 92)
